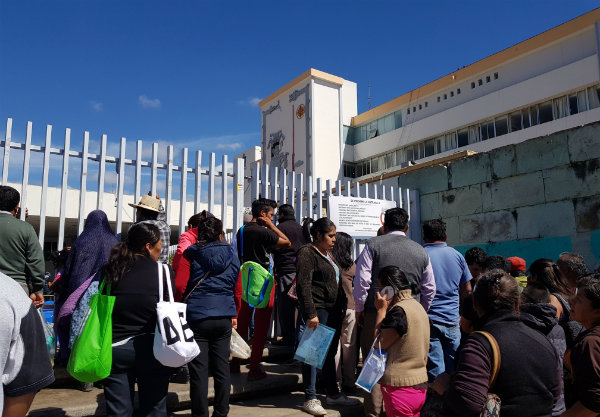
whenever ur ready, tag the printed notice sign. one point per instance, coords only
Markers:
(359, 217)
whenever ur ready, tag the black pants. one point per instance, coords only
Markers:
(134, 362)
(213, 336)
(286, 308)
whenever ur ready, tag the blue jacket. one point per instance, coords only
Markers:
(214, 296)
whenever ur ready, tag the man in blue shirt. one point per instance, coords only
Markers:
(453, 281)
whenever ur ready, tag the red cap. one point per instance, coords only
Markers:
(517, 264)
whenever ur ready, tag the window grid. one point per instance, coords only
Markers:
(529, 116)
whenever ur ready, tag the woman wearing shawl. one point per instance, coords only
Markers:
(88, 254)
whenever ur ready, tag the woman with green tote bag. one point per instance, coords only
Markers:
(132, 274)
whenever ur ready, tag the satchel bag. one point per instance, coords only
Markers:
(373, 367)
(174, 343)
(91, 356)
(491, 408)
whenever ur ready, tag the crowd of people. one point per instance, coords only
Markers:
(462, 334)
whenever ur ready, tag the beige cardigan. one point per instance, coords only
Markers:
(407, 357)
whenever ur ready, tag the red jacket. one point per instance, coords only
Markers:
(185, 241)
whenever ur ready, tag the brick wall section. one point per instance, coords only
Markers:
(543, 188)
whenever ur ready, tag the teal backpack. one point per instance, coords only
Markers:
(257, 282)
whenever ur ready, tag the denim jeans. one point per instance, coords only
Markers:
(309, 373)
(443, 341)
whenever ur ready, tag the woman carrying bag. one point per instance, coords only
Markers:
(206, 276)
(322, 301)
(403, 328)
(132, 274)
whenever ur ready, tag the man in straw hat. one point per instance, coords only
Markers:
(150, 210)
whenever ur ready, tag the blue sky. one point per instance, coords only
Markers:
(191, 73)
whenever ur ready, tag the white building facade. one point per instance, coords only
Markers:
(303, 124)
(545, 84)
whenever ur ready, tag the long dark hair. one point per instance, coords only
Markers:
(547, 273)
(342, 250)
(312, 228)
(209, 231)
(122, 256)
(394, 277)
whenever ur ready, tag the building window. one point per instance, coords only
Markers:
(445, 96)
(488, 79)
(463, 137)
(545, 110)
(524, 118)
(410, 153)
(573, 104)
(398, 119)
(372, 130)
(375, 164)
(581, 101)
(420, 107)
(515, 121)
(451, 93)
(414, 109)
(349, 171)
(495, 76)
(593, 96)
(429, 147)
(458, 91)
(480, 82)
(501, 126)
(438, 99)
(473, 84)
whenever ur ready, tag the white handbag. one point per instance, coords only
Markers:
(174, 343)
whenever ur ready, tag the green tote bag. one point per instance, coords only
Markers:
(91, 356)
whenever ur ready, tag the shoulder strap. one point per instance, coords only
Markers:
(195, 286)
(496, 359)
(162, 266)
(242, 240)
(101, 287)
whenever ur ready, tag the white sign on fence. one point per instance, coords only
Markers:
(359, 217)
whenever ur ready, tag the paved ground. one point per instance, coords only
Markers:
(283, 405)
(277, 395)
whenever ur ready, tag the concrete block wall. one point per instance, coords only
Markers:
(533, 199)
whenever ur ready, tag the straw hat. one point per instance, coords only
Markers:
(148, 203)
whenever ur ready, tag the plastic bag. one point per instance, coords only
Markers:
(91, 356)
(49, 335)
(314, 345)
(238, 346)
(373, 367)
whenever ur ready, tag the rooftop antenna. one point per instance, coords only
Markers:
(369, 99)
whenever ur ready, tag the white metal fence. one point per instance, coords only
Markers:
(308, 197)
(66, 153)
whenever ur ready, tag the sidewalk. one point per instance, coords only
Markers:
(279, 391)
(283, 405)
